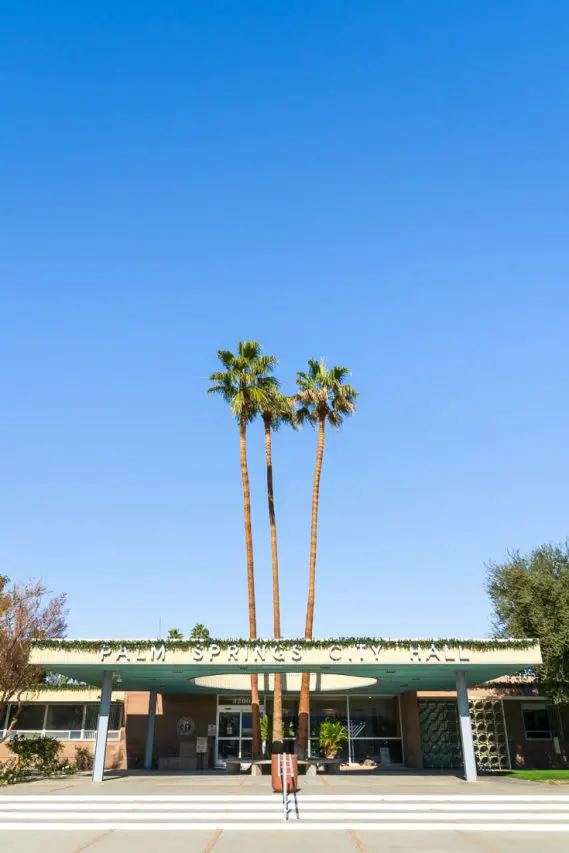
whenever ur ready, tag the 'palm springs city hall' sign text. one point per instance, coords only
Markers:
(361, 653)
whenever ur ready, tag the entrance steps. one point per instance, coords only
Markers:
(412, 812)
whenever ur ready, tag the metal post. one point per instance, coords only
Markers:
(102, 727)
(149, 748)
(465, 727)
(83, 720)
(44, 725)
(506, 738)
(401, 729)
(349, 731)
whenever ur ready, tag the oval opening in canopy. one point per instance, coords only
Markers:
(321, 682)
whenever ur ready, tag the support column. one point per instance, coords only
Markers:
(411, 729)
(149, 748)
(465, 727)
(102, 727)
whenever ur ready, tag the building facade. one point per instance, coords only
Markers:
(512, 725)
(182, 706)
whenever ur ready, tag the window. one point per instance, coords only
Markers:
(290, 720)
(327, 708)
(30, 718)
(92, 716)
(537, 722)
(382, 752)
(324, 708)
(374, 717)
(64, 721)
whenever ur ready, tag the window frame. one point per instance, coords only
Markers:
(540, 733)
(64, 734)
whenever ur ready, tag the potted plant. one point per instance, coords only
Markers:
(332, 737)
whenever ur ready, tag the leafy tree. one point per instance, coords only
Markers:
(322, 398)
(26, 613)
(530, 595)
(57, 680)
(278, 410)
(245, 384)
(199, 632)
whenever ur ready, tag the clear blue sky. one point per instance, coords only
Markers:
(384, 184)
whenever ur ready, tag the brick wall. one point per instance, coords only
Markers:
(534, 754)
(169, 709)
(115, 755)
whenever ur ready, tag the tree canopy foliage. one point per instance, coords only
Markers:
(174, 634)
(198, 632)
(530, 595)
(26, 613)
(246, 383)
(323, 395)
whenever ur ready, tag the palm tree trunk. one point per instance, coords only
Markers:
(277, 745)
(304, 703)
(256, 727)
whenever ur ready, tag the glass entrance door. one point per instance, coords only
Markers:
(234, 732)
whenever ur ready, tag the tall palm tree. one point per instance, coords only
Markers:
(246, 384)
(323, 398)
(277, 411)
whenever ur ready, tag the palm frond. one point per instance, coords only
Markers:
(226, 357)
(219, 377)
(217, 389)
(305, 415)
(322, 394)
(279, 410)
(264, 364)
(247, 384)
(339, 372)
(349, 391)
(249, 350)
(335, 419)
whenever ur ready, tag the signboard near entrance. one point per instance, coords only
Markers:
(201, 746)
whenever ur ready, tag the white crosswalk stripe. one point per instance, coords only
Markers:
(504, 813)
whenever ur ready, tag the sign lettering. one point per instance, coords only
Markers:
(430, 653)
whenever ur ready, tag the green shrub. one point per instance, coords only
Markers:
(10, 773)
(83, 758)
(36, 753)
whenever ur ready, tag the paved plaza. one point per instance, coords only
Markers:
(199, 813)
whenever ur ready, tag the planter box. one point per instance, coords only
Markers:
(292, 781)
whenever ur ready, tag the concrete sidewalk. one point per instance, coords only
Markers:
(215, 813)
(140, 783)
